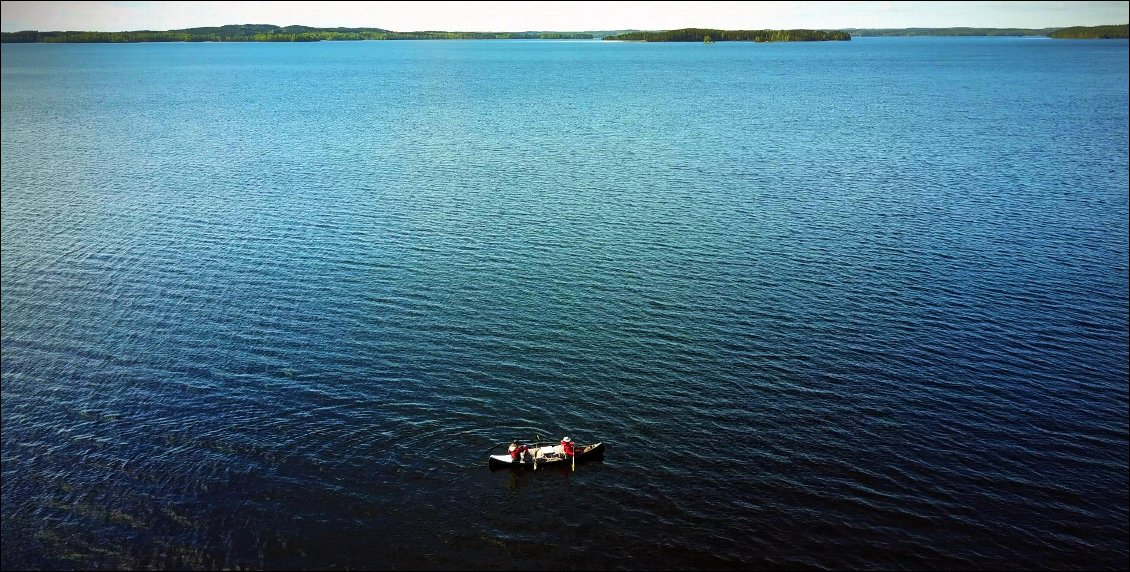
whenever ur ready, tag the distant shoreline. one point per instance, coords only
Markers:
(1074, 32)
(709, 35)
(271, 33)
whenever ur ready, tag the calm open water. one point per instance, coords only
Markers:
(831, 305)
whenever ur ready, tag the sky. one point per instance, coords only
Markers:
(557, 16)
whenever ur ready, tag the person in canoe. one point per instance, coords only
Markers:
(516, 451)
(567, 446)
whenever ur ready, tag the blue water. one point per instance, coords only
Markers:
(831, 305)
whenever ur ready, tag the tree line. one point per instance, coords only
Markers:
(700, 34)
(1077, 32)
(269, 33)
(1092, 32)
(870, 32)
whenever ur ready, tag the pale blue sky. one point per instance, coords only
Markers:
(564, 16)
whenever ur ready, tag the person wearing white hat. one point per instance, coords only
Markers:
(567, 446)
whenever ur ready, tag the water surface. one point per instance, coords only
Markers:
(832, 305)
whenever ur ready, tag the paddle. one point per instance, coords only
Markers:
(534, 455)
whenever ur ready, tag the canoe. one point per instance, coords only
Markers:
(547, 455)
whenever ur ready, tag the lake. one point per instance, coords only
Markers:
(854, 305)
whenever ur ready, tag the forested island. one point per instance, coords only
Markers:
(1075, 32)
(884, 32)
(1092, 32)
(270, 33)
(709, 35)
